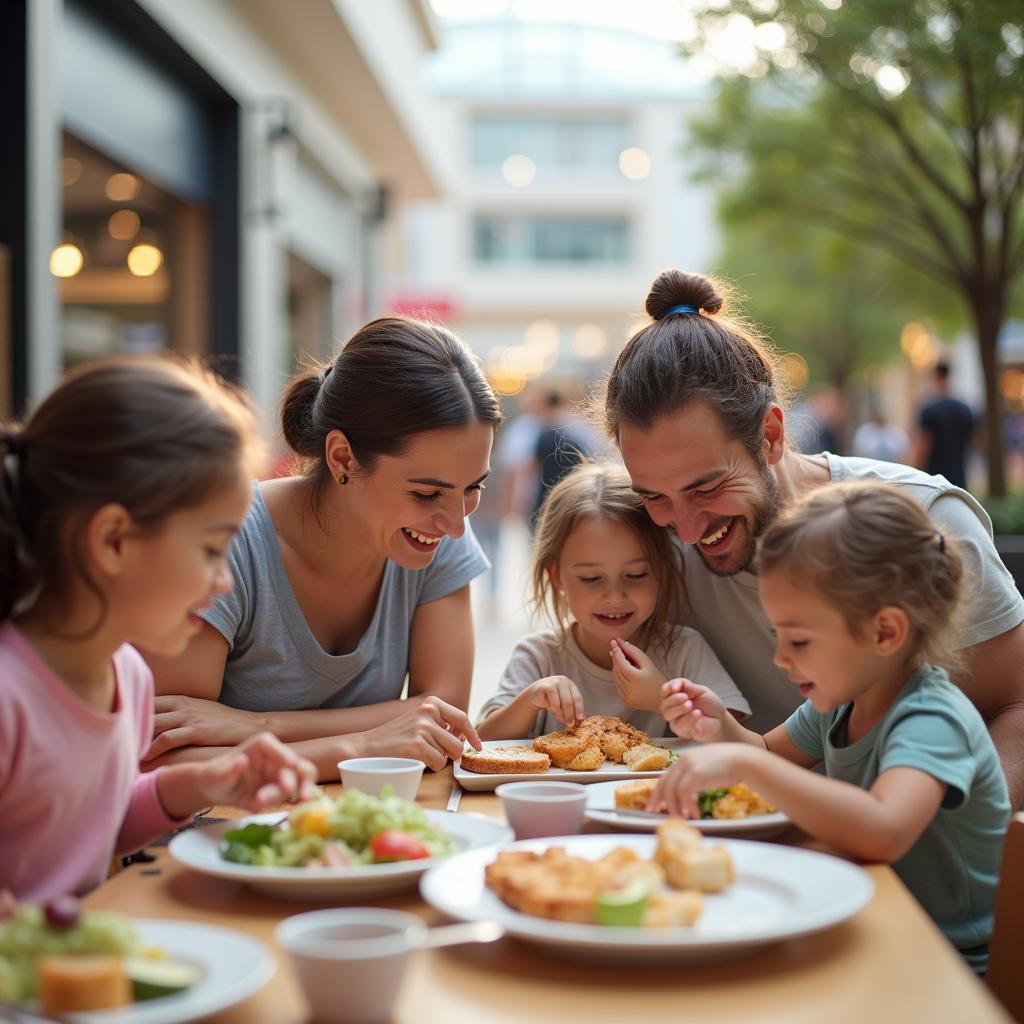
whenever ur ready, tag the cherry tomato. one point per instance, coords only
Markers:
(391, 844)
(62, 913)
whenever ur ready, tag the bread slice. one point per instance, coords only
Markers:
(505, 761)
(646, 758)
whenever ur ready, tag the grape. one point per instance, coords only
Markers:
(62, 913)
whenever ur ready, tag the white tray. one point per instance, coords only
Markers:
(608, 772)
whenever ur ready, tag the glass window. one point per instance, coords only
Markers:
(525, 240)
(132, 264)
(565, 144)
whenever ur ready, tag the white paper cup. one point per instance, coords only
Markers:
(372, 774)
(350, 961)
(536, 809)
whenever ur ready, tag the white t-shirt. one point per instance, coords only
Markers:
(727, 612)
(548, 654)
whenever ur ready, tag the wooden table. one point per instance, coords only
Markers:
(888, 963)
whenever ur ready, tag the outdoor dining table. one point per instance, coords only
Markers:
(887, 963)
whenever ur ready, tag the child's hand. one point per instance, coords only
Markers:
(693, 712)
(635, 676)
(559, 695)
(261, 772)
(714, 767)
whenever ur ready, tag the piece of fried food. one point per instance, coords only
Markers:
(505, 761)
(588, 760)
(688, 863)
(646, 758)
(741, 802)
(565, 746)
(673, 909)
(615, 736)
(635, 795)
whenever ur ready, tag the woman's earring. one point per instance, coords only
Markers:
(342, 478)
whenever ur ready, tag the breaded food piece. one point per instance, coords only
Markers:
(614, 736)
(688, 863)
(635, 795)
(673, 909)
(588, 760)
(505, 761)
(563, 747)
(646, 758)
(741, 802)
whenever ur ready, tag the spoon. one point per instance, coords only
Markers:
(459, 934)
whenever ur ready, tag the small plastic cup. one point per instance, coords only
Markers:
(536, 809)
(350, 962)
(372, 774)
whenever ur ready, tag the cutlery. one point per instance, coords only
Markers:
(454, 797)
(627, 812)
(458, 934)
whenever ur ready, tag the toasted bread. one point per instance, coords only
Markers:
(646, 758)
(505, 761)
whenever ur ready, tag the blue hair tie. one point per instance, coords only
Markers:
(680, 309)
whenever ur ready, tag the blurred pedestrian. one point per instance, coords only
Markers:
(945, 431)
(877, 438)
(560, 447)
(817, 423)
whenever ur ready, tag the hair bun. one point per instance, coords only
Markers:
(676, 288)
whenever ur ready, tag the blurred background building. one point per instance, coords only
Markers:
(572, 191)
(210, 176)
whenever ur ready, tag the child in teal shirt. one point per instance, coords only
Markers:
(860, 590)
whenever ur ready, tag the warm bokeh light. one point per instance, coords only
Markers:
(590, 341)
(918, 345)
(794, 369)
(66, 260)
(144, 260)
(1011, 385)
(507, 383)
(518, 170)
(123, 225)
(70, 170)
(122, 187)
(634, 163)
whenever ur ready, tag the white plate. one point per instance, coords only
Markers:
(233, 965)
(199, 848)
(601, 800)
(780, 892)
(475, 782)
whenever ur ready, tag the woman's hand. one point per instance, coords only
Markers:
(429, 730)
(559, 695)
(636, 677)
(693, 712)
(714, 767)
(261, 772)
(194, 722)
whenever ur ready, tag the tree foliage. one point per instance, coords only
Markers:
(897, 123)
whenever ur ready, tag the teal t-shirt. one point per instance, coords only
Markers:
(953, 868)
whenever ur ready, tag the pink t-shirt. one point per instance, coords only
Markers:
(71, 795)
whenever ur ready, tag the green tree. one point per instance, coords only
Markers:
(898, 123)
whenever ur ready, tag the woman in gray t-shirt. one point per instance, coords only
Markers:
(353, 574)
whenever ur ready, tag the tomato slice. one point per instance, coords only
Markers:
(392, 844)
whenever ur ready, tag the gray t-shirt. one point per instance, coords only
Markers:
(953, 868)
(276, 664)
(548, 654)
(728, 614)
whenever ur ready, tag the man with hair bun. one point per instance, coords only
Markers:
(698, 408)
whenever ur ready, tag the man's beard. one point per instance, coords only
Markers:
(760, 516)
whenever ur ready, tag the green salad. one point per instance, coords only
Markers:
(707, 799)
(33, 932)
(355, 829)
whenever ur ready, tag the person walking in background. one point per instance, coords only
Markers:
(560, 448)
(945, 431)
(877, 438)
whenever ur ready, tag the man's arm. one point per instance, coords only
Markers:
(995, 684)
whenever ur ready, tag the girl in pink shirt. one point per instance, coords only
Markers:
(118, 500)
